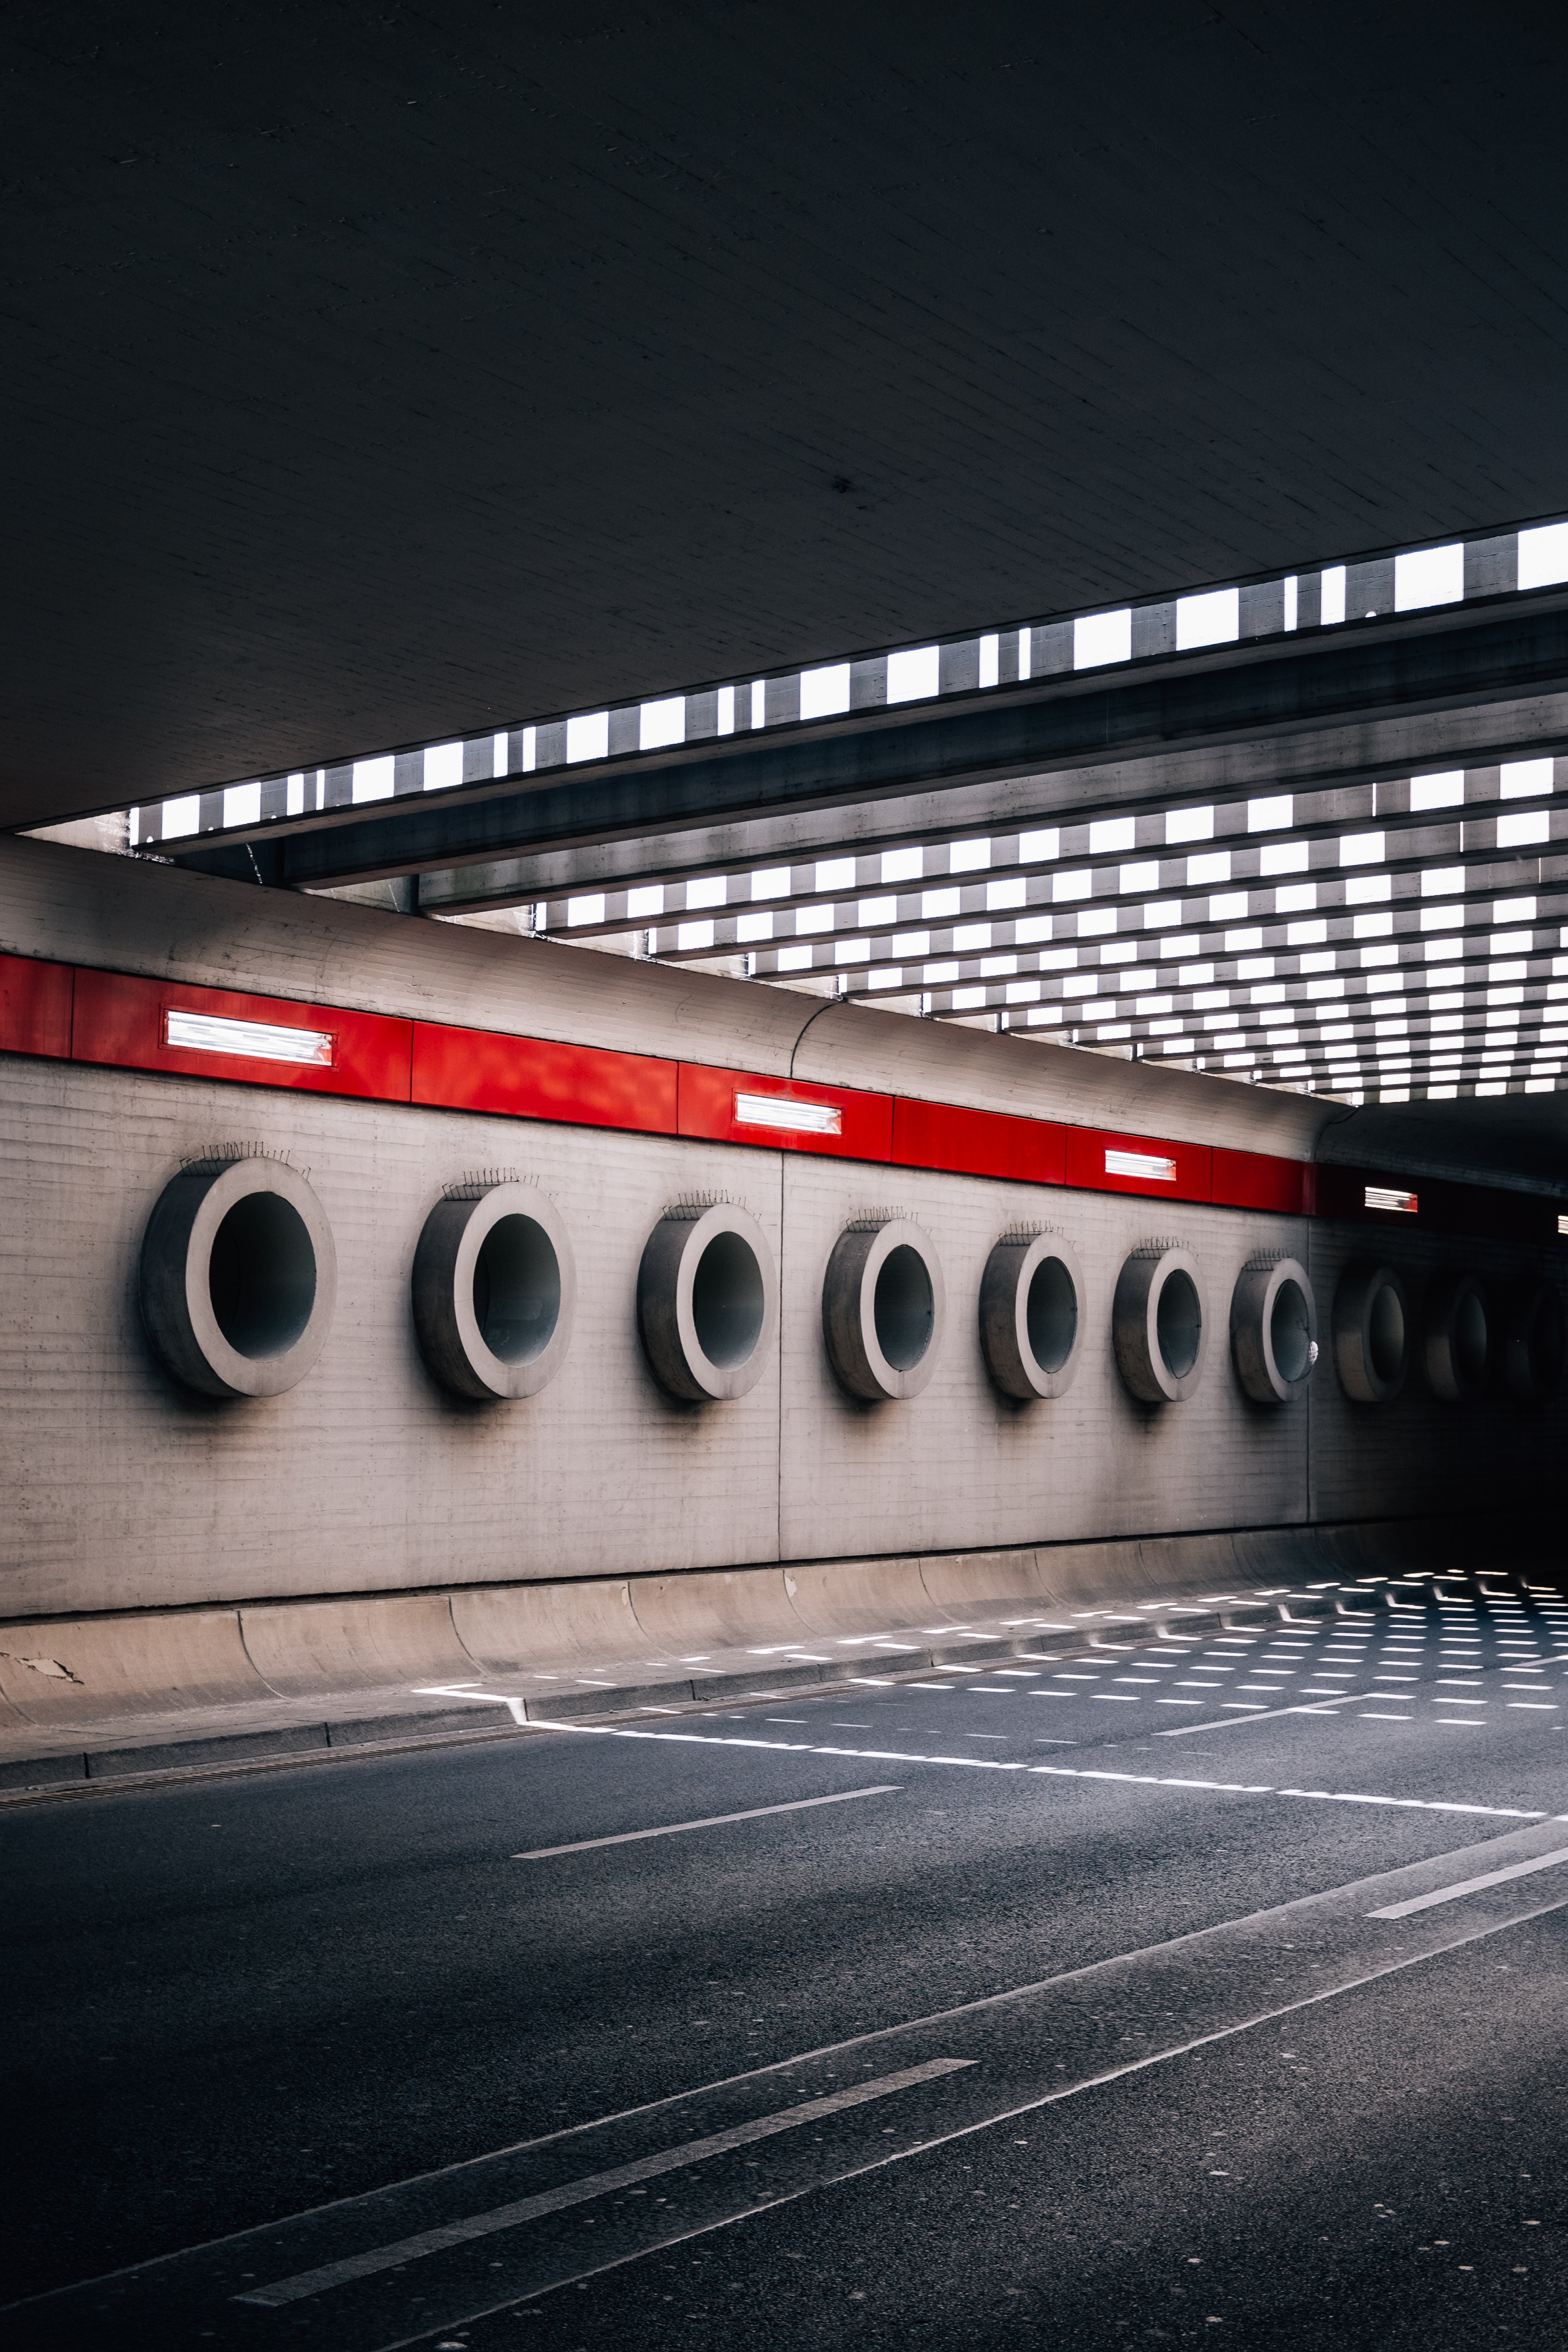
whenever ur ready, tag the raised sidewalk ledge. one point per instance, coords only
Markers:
(91, 1700)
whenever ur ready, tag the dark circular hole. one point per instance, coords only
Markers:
(728, 1300)
(1544, 1340)
(1050, 1314)
(261, 1276)
(1290, 1332)
(1179, 1323)
(903, 1308)
(517, 1289)
(1387, 1334)
(1471, 1339)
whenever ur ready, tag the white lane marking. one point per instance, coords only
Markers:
(713, 1822)
(591, 2185)
(1059, 1771)
(1471, 1885)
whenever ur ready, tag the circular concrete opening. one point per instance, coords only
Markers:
(728, 1300)
(1158, 1327)
(494, 1292)
(1179, 1324)
(1030, 1323)
(882, 1301)
(708, 1303)
(1371, 1333)
(1531, 1353)
(1050, 1316)
(238, 1277)
(261, 1276)
(903, 1308)
(517, 1289)
(1274, 1330)
(1454, 1339)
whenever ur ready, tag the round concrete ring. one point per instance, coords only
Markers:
(708, 1304)
(1530, 1355)
(253, 1233)
(1455, 1338)
(1158, 1326)
(1371, 1331)
(495, 1293)
(1031, 1316)
(883, 1300)
(1274, 1330)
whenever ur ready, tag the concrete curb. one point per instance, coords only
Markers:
(92, 1767)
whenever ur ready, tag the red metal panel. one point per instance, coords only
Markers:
(978, 1142)
(1254, 1179)
(536, 1077)
(124, 1020)
(713, 1102)
(1098, 1162)
(35, 1006)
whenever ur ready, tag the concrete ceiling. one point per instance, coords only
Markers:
(377, 371)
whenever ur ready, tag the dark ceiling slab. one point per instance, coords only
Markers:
(376, 374)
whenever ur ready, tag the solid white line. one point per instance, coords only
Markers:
(1471, 1885)
(713, 1822)
(589, 2186)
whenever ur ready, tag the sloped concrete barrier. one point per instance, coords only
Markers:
(308, 1649)
(1456, 1337)
(551, 1627)
(708, 1302)
(883, 1304)
(89, 1669)
(495, 1291)
(1274, 1330)
(1032, 1316)
(238, 1277)
(1372, 1333)
(1158, 1328)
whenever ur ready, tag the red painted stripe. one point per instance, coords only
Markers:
(978, 1142)
(35, 1007)
(120, 1021)
(1250, 1180)
(116, 1018)
(1092, 1156)
(708, 1107)
(534, 1078)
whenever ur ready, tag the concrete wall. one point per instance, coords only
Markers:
(119, 1490)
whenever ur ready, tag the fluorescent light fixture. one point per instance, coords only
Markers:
(254, 1041)
(1562, 1225)
(795, 1118)
(1389, 1196)
(1146, 1164)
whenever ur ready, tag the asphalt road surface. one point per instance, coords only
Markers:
(1208, 1991)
